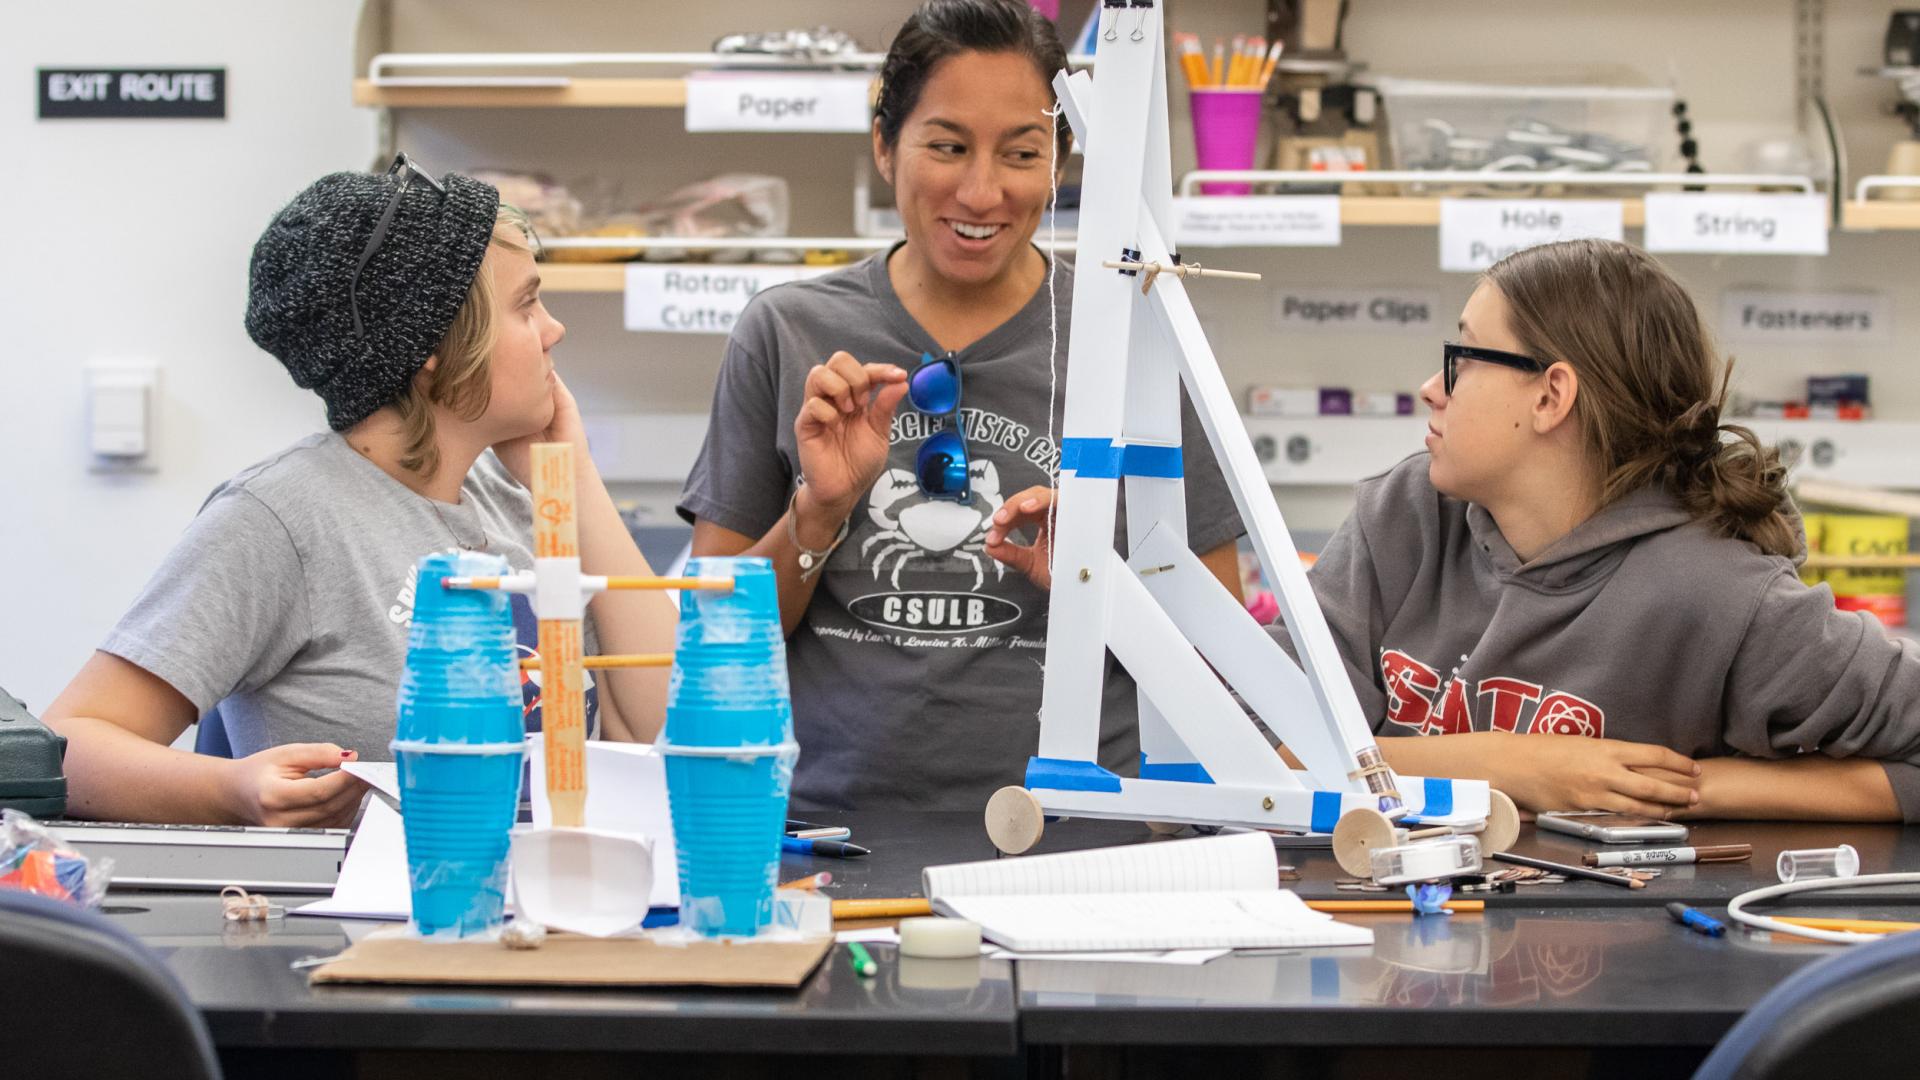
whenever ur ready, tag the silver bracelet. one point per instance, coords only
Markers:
(811, 561)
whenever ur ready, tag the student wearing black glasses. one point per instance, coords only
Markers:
(411, 305)
(870, 423)
(1584, 591)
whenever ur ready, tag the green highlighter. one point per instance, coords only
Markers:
(863, 964)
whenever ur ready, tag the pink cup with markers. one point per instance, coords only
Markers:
(1226, 132)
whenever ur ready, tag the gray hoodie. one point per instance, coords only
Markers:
(1641, 624)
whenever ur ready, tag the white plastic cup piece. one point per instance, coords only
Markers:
(587, 881)
(1811, 863)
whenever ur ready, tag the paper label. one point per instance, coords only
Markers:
(1390, 311)
(1737, 223)
(1787, 318)
(1476, 233)
(1257, 220)
(683, 299)
(778, 101)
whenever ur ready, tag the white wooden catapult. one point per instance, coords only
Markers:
(1162, 614)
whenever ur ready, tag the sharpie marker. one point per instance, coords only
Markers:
(838, 849)
(1670, 856)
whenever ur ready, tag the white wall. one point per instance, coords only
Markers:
(130, 239)
(133, 236)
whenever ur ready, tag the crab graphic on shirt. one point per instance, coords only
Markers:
(914, 528)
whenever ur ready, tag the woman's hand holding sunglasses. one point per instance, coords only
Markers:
(844, 429)
(1032, 507)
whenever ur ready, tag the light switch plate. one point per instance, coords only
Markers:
(123, 404)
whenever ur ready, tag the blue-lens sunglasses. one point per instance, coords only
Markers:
(934, 389)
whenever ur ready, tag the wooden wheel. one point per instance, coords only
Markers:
(1355, 837)
(1014, 820)
(1503, 823)
(1165, 828)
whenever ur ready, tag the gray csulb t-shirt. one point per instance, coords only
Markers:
(287, 600)
(917, 669)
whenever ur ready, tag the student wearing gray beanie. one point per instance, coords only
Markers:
(410, 304)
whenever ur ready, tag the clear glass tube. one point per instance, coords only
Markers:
(1810, 863)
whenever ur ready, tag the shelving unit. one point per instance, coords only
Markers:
(1863, 213)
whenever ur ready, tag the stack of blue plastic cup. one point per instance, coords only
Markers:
(458, 741)
(729, 748)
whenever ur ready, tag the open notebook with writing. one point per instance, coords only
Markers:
(1219, 892)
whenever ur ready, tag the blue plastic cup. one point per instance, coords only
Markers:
(729, 690)
(459, 745)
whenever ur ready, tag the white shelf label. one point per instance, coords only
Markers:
(1796, 318)
(1476, 233)
(778, 101)
(682, 299)
(1257, 220)
(1388, 311)
(1742, 222)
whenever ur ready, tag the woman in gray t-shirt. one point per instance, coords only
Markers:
(915, 634)
(411, 306)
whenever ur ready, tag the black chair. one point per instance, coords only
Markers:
(1850, 1014)
(79, 996)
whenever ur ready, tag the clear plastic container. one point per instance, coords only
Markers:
(1554, 132)
(1810, 863)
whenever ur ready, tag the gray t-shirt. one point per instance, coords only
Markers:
(916, 671)
(288, 598)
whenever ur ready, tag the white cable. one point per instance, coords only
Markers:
(1736, 906)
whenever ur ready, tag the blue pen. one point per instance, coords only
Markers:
(1697, 921)
(838, 849)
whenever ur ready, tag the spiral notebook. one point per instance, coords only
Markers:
(1220, 892)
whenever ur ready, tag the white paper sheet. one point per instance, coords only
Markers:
(373, 877)
(381, 776)
(626, 792)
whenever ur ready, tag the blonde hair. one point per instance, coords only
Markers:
(1651, 384)
(461, 382)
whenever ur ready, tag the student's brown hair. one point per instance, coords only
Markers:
(462, 381)
(1651, 384)
(939, 29)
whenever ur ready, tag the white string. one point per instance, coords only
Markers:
(1053, 318)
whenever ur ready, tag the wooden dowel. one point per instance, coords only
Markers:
(637, 660)
(719, 584)
(1182, 270)
(1871, 500)
(881, 909)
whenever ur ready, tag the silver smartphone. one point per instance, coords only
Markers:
(1611, 828)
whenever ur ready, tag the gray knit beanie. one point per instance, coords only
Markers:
(298, 307)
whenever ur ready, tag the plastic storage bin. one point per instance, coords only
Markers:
(1556, 132)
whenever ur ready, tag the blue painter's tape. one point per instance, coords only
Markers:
(1326, 811)
(1190, 772)
(1439, 798)
(1101, 459)
(1061, 774)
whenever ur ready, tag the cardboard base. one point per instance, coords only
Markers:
(394, 956)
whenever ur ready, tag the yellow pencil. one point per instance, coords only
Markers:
(881, 909)
(1219, 74)
(1273, 61)
(1390, 905)
(1237, 66)
(1858, 926)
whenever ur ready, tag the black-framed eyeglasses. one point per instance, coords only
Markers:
(1455, 352)
(406, 170)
